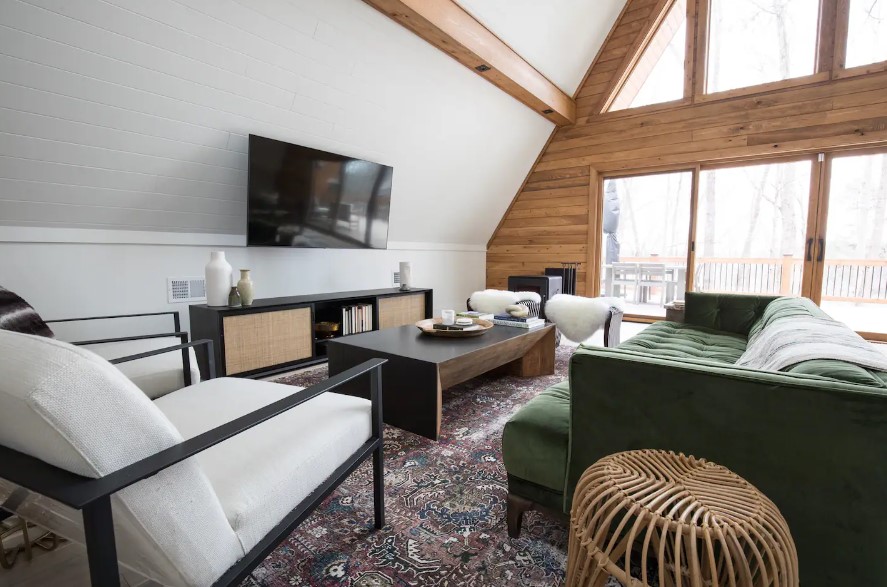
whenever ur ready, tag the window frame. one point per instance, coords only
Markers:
(830, 57)
(817, 214)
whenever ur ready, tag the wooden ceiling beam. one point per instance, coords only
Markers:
(447, 26)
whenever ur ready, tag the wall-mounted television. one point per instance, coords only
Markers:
(304, 197)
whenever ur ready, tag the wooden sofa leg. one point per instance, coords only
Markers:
(514, 513)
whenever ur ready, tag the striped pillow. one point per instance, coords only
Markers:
(17, 315)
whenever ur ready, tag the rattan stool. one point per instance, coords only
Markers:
(698, 523)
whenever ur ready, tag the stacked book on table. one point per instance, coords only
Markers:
(473, 314)
(358, 318)
(509, 320)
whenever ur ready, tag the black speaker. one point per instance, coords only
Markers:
(544, 285)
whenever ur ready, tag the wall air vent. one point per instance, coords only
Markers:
(395, 278)
(185, 289)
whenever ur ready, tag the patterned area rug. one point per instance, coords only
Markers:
(445, 506)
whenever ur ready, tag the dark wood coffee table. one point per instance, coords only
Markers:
(420, 367)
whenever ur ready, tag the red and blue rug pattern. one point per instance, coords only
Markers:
(445, 506)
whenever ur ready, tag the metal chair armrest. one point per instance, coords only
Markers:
(175, 317)
(186, 357)
(181, 335)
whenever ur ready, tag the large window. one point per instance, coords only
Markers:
(867, 37)
(751, 227)
(658, 75)
(854, 282)
(812, 225)
(748, 43)
(646, 229)
(758, 41)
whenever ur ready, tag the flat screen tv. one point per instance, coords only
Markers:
(303, 197)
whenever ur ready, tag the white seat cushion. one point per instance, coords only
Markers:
(157, 375)
(260, 475)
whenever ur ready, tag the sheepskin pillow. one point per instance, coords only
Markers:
(17, 315)
(578, 318)
(494, 301)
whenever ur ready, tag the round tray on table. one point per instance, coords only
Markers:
(427, 327)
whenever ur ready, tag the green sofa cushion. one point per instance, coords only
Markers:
(673, 340)
(535, 439)
(839, 370)
(734, 313)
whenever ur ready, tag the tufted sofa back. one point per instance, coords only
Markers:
(734, 313)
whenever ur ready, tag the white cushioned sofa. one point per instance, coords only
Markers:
(203, 482)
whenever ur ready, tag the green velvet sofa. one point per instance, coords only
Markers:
(814, 438)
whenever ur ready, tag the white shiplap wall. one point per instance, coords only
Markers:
(126, 120)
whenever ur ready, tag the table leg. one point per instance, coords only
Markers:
(411, 390)
(538, 360)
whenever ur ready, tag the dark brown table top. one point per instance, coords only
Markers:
(409, 342)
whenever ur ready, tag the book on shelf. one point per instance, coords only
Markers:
(357, 319)
(473, 314)
(517, 318)
(528, 325)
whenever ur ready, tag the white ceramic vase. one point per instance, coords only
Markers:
(218, 279)
(245, 287)
(406, 277)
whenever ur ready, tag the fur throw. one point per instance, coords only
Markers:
(494, 301)
(579, 318)
(17, 315)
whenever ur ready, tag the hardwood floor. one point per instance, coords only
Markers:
(66, 565)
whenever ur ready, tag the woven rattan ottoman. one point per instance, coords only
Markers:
(684, 520)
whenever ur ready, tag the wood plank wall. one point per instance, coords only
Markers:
(553, 218)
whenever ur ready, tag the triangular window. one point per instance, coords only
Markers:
(658, 75)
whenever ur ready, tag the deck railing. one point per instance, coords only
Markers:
(845, 280)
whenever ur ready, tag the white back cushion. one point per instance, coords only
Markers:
(72, 409)
(156, 376)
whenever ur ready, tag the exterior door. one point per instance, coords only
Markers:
(646, 220)
(751, 228)
(851, 242)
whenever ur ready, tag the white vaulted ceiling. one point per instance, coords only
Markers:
(557, 37)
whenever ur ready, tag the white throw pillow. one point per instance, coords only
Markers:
(494, 301)
(578, 318)
(69, 407)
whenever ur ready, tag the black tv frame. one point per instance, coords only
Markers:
(358, 244)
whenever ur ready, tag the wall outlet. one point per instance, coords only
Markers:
(185, 289)
(395, 278)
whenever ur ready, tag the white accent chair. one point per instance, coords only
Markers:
(199, 486)
(156, 375)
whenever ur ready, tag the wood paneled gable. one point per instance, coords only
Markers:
(554, 216)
